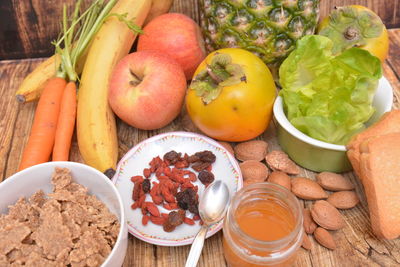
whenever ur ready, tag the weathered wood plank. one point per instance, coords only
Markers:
(30, 26)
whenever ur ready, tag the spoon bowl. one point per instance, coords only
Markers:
(214, 203)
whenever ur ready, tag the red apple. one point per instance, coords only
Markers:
(178, 36)
(147, 89)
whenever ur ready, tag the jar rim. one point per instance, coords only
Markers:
(273, 188)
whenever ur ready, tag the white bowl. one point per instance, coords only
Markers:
(28, 181)
(317, 155)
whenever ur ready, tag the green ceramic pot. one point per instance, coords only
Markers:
(320, 156)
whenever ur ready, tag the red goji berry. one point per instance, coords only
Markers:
(162, 177)
(196, 217)
(137, 178)
(192, 177)
(145, 219)
(136, 191)
(164, 215)
(167, 206)
(134, 205)
(167, 171)
(157, 200)
(157, 220)
(181, 164)
(146, 173)
(167, 195)
(188, 221)
(141, 200)
(152, 208)
(144, 209)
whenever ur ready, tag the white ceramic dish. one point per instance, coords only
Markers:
(28, 181)
(224, 168)
(317, 155)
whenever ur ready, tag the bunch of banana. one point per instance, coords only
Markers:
(96, 128)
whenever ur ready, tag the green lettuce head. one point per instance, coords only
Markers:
(328, 97)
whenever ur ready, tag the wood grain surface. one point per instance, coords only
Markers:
(357, 246)
(28, 26)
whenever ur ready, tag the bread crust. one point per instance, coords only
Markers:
(388, 123)
(380, 174)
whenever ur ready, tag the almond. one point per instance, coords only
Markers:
(308, 223)
(253, 171)
(334, 182)
(279, 161)
(227, 146)
(251, 150)
(326, 215)
(306, 244)
(344, 199)
(324, 238)
(280, 178)
(307, 189)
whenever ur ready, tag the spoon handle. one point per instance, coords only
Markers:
(197, 247)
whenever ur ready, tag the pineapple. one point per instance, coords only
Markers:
(268, 28)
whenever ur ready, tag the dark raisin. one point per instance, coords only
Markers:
(194, 208)
(172, 157)
(175, 218)
(193, 158)
(206, 156)
(168, 227)
(206, 177)
(199, 166)
(183, 205)
(146, 185)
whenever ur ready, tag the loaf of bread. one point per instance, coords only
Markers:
(380, 172)
(375, 157)
(389, 123)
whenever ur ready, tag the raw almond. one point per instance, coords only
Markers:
(326, 215)
(308, 222)
(324, 238)
(280, 178)
(253, 171)
(344, 199)
(334, 182)
(251, 150)
(227, 146)
(306, 244)
(279, 161)
(307, 189)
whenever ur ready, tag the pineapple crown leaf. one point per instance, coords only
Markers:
(221, 72)
(350, 27)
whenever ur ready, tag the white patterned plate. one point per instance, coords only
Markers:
(224, 168)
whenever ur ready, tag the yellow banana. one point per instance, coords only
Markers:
(96, 129)
(33, 84)
(158, 7)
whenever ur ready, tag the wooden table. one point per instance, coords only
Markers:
(357, 246)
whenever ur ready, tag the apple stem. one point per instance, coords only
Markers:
(136, 80)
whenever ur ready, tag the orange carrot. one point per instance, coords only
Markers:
(41, 139)
(65, 124)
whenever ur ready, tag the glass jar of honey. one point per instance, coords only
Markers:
(263, 227)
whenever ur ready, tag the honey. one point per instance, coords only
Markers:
(263, 227)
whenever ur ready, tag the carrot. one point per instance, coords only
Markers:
(41, 139)
(65, 124)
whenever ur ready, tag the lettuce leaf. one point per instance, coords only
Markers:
(328, 97)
